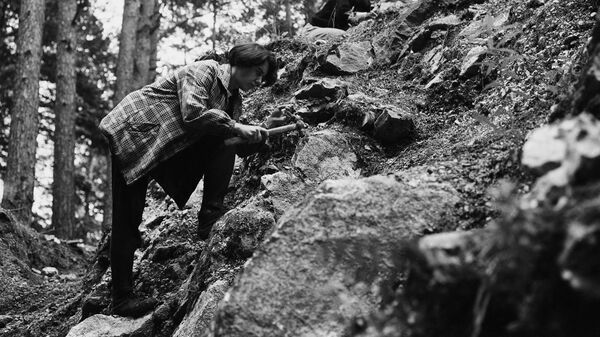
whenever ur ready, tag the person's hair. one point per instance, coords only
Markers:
(251, 55)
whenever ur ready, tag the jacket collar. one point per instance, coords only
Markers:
(224, 75)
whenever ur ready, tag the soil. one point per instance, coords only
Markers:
(470, 131)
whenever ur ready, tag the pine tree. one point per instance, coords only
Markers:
(20, 174)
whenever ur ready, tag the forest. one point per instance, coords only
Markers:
(441, 177)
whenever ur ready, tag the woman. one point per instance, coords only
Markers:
(173, 131)
(334, 18)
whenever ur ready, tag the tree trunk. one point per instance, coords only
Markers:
(20, 173)
(127, 44)
(63, 187)
(143, 44)
(288, 18)
(154, 40)
(214, 27)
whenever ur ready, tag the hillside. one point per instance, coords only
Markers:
(419, 201)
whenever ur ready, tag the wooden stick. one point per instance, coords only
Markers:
(270, 132)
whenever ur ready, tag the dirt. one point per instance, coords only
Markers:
(469, 133)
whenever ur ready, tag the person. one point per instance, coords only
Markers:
(334, 18)
(173, 131)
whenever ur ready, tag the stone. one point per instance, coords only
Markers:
(168, 252)
(433, 59)
(574, 145)
(578, 259)
(439, 78)
(470, 63)
(112, 326)
(544, 150)
(324, 88)
(69, 277)
(445, 22)
(451, 251)
(50, 271)
(348, 58)
(240, 231)
(4, 320)
(394, 125)
(199, 320)
(295, 286)
(283, 189)
(325, 154)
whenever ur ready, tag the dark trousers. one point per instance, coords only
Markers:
(214, 162)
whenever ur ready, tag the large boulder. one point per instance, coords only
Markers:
(348, 58)
(297, 283)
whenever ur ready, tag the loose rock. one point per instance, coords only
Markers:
(324, 88)
(470, 62)
(112, 326)
(348, 58)
(394, 125)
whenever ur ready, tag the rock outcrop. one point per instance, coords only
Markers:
(292, 287)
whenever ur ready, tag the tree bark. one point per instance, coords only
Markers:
(214, 27)
(127, 44)
(63, 187)
(20, 173)
(143, 50)
(154, 40)
(288, 18)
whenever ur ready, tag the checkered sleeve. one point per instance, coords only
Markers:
(194, 92)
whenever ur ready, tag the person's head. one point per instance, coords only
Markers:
(252, 65)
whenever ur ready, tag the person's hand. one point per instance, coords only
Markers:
(253, 134)
(277, 118)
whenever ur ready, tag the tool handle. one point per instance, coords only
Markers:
(271, 132)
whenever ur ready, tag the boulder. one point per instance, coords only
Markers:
(348, 58)
(470, 63)
(323, 88)
(240, 231)
(199, 319)
(113, 326)
(394, 125)
(297, 285)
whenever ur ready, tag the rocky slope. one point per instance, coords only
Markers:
(414, 119)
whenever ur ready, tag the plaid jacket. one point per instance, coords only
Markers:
(152, 124)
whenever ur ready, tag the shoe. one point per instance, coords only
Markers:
(93, 305)
(133, 306)
(206, 220)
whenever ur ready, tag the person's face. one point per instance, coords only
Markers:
(248, 78)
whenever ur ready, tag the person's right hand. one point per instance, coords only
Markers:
(251, 133)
